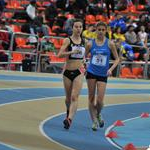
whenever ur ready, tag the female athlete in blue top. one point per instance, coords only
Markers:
(98, 70)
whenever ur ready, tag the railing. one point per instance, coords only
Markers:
(21, 50)
(144, 63)
(50, 53)
(38, 52)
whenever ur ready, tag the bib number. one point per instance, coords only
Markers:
(99, 60)
(80, 54)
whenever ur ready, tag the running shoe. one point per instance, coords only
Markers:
(67, 123)
(95, 126)
(100, 121)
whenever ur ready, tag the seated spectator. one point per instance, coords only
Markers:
(130, 35)
(82, 5)
(143, 36)
(143, 21)
(132, 22)
(132, 38)
(2, 6)
(71, 7)
(51, 13)
(126, 49)
(122, 5)
(109, 33)
(112, 8)
(68, 26)
(118, 35)
(3, 57)
(148, 6)
(39, 25)
(5, 35)
(89, 32)
(31, 10)
(61, 4)
(120, 21)
(27, 63)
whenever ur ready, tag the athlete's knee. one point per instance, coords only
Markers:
(91, 98)
(68, 99)
(74, 97)
(100, 103)
(100, 98)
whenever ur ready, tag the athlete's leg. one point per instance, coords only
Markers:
(101, 87)
(91, 83)
(76, 88)
(68, 89)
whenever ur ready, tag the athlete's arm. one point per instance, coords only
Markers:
(88, 45)
(115, 54)
(62, 52)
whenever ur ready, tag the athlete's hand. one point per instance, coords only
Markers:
(109, 73)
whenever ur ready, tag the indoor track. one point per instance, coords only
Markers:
(32, 110)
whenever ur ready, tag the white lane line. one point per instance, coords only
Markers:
(106, 132)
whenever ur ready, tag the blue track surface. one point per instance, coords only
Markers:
(50, 79)
(13, 95)
(136, 131)
(80, 136)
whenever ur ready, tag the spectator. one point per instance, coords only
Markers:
(133, 39)
(110, 3)
(5, 36)
(68, 26)
(39, 25)
(118, 35)
(148, 6)
(119, 22)
(61, 4)
(3, 57)
(82, 5)
(2, 6)
(72, 7)
(143, 36)
(51, 13)
(89, 33)
(31, 10)
(130, 35)
(143, 21)
(122, 5)
(27, 63)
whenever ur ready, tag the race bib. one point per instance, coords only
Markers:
(81, 52)
(99, 60)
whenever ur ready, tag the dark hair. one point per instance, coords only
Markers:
(116, 29)
(101, 24)
(76, 20)
(2, 22)
(33, 2)
(130, 26)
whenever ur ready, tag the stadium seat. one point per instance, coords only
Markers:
(21, 43)
(132, 9)
(126, 73)
(136, 55)
(90, 19)
(100, 18)
(17, 57)
(56, 43)
(16, 28)
(138, 72)
(8, 15)
(140, 7)
(69, 16)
